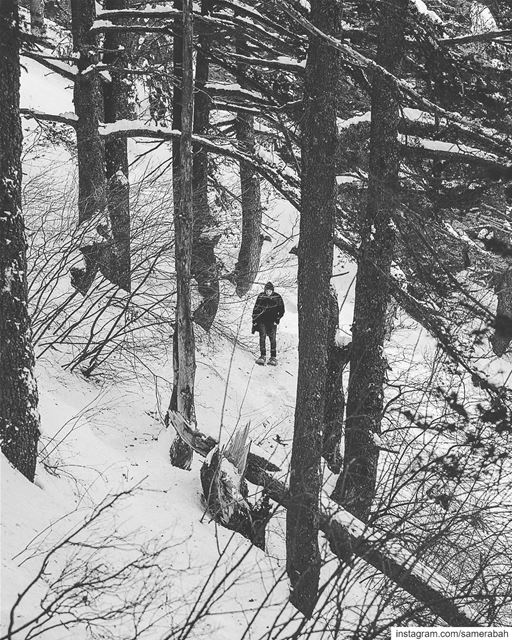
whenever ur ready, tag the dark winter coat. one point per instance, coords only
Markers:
(267, 310)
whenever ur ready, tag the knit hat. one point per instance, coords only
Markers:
(269, 285)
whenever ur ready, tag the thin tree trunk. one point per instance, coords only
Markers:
(19, 418)
(355, 488)
(315, 253)
(116, 95)
(88, 108)
(181, 453)
(337, 360)
(248, 262)
(204, 262)
(37, 27)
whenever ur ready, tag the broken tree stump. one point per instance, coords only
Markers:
(225, 490)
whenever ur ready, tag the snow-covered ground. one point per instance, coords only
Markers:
(104, 435)
(103, 439)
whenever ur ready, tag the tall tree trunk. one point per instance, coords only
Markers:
(248, 262)
(204, 262)
(37, 18)
(91, 171)
(315, 253)
(19, 418)
(116, 95)
(181, 453)
(355, 488)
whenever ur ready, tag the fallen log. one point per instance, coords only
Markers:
(344, 530)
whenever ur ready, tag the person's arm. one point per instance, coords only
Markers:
(257, 310)
(279, 308)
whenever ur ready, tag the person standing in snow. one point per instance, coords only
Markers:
(267, 312)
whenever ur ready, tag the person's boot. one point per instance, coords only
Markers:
(273, 361)
(261, 360)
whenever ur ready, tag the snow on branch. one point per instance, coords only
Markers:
(107, 27)
(280, 180)
(234, 91)
(487, 137)
(68, 118)
(409, 114)
(63, 69)
(258, 33)
(455, 152)
(238, 108)
(282, 62)
(148, 12)
(353, 58)
(107, 19)
(354, 120)
(249, 12)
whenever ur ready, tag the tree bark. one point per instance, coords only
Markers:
(37, 26)
(502, 336)
(116, 94)
(315, 254)
(181, 453)
(248, 263)
(355, 488)
(337, 359)
(19, 418)
(204, 261)
(91, 171)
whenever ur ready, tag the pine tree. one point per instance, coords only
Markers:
(355, 488)
(204, 267)
(116, 94)
(19, 418)
(315, 253)
(184, 343)
(92, 197)
(248, 262)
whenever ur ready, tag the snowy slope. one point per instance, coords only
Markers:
(105, 434)
(108, 443)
